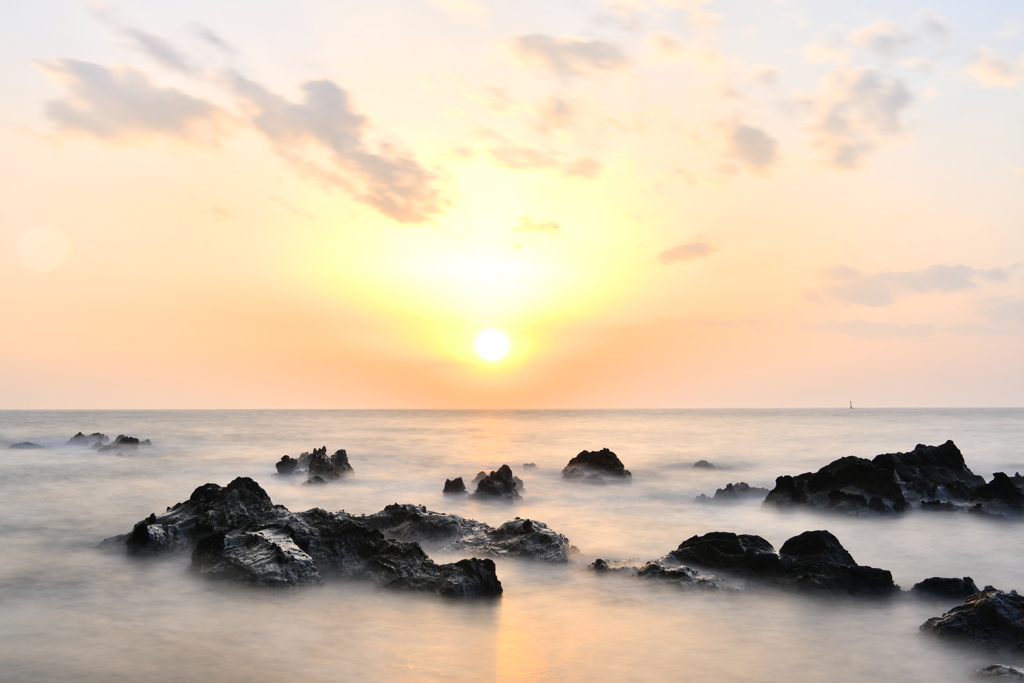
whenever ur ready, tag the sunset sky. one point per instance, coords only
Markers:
(662, 203)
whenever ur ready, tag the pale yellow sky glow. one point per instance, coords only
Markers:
(661, 203)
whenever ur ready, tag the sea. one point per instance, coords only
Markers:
(71, 612)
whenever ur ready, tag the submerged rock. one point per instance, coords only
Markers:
(455, 485)
(813, 560)
(25, 446)
(121, 443)
(940, 587)
(733, 493)
(236, 533)
(589, 463)
(1000, 671)
(317, 465)
(451, 533)
(499, 484)
(81, 439)
(928, 476)
(704, 464)
(529, 465)
(990, 618)
(998, 497)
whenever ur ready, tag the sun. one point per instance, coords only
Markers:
(492, 345)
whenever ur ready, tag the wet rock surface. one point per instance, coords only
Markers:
(999, 497)
(603, 463)
(316, 465)
(1000, 672)
(236, 533)
(813, 560)
(952, 588)
(929, 476)
(499, 484)
(455, 485)
(733, 493)
(989, 618)
(91, 440)
(524, 538)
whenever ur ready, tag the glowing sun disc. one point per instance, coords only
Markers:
(492, 344)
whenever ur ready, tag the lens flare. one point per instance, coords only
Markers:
(492, 345)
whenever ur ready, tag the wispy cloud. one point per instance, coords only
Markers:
(389, 180)
(881, 289)
(752, 146)
(521, 158)
(865, 329)
(990, 69)
(685, 252)
(120, 101)
(527, 224)
(569, 56)
(158, 49)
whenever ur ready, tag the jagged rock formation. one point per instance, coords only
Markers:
(813, 560)
(990, 618)
(939, 587)
(122, 443)
(665, 569)
(928, 476)
(81, 439)
(317, 465)
(593, 466)
(455, 485)
(237, 533)
(1000, 672)
(733, 493)
(998, 497)
(499, 484)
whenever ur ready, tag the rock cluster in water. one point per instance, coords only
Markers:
(499, 484)
(733, 493)
(102, 443)
(235, 532)
(930, 477)
(990, 618)
(316, 465)
(593, 467)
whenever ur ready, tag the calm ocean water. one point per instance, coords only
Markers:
(72, 613)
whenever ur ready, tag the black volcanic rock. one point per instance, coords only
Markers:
(603, 462)
(684, 577)
(24, 446)
(998, 497)
(1000, 672)
(455, 485)
(236, 533)
(452, 533)
(929, 476)
(733, 493)
(81, 439)
(940, 587)
(990, 618)
(122, 442)
(813, 560)
(287, 465)
(498, 484)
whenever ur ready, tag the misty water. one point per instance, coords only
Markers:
(73, 613)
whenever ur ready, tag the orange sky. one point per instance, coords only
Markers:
(662, 203)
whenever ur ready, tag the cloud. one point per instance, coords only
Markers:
(815, 53)
(752, 146)
(555, 113)
(392, 182)
(212, 38)
(520, 158)
(864, 329)
(157, 48)
(695, 12)
(881, 289)
(667, 46)
(883, 38)
(935, 24)
(686, 252)
(527, 224)
(569, 56)
(856, 110)
(990, 70)
(120, 101)
(1003, 310)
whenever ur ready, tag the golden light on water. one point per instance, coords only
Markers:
(492, 345)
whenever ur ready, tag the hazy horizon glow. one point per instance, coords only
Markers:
(662, 203)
